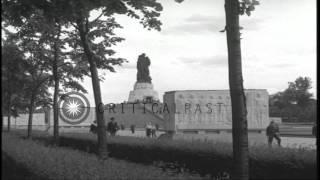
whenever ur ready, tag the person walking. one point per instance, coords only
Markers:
(148, 129)
(153, 131)
(132, 127)
(273, 132)
(112, 127)
(93, 127)
(314, 132)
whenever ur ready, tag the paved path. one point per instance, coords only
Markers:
(254, 138)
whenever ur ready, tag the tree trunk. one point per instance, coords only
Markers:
(9, 113)
(55, 97)
(9, 102)
(30, 115)
(102, 136)
(238, 100)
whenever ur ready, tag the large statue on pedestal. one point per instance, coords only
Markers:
(143, 69)
(143, 88)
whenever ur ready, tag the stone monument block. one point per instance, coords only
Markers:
(211, 109)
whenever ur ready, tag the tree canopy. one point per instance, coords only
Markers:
(295, 103)
(91, 40)
(12, 77)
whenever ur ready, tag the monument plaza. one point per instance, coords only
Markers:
(187, 114)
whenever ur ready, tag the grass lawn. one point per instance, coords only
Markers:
(28, 159)
(202, 157)
(14, 171)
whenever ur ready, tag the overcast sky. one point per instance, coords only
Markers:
(278, 45)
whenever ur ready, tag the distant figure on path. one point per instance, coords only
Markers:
(148, 129)
(94, 127)
(132, 127)
(273, 132)
(112, 127)
(314, 130)
(153, 131)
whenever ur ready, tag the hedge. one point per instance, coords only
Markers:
(63, 163)
(204, 158)
(213, 158)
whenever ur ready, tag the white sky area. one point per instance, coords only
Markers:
(278, 45)
(189, 53)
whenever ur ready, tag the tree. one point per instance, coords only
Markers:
(234, 8)
(298, 91)
(238, 102)
(37, 86)
(295, 102)
(38, 79)
(26, 78)
(64, 72)
(98, 55)
(12, 77)
(95, 53)
(47, 30)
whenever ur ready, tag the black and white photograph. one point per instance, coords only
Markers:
(159, 89)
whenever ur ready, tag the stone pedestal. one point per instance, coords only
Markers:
(143, 91)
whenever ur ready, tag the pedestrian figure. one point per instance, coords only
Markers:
(112, 127)
(132, 127)
(148, 129)
(93, 127)
(273, 132)
(153, 131)
(314, 131)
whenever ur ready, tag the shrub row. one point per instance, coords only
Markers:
(197, 157)
(204, 158)
(63, 163)
(213, 158)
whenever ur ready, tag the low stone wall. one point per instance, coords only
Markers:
(37, 120)
(277, 120)
(211, 109)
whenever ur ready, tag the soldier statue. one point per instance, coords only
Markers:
(143, 64)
